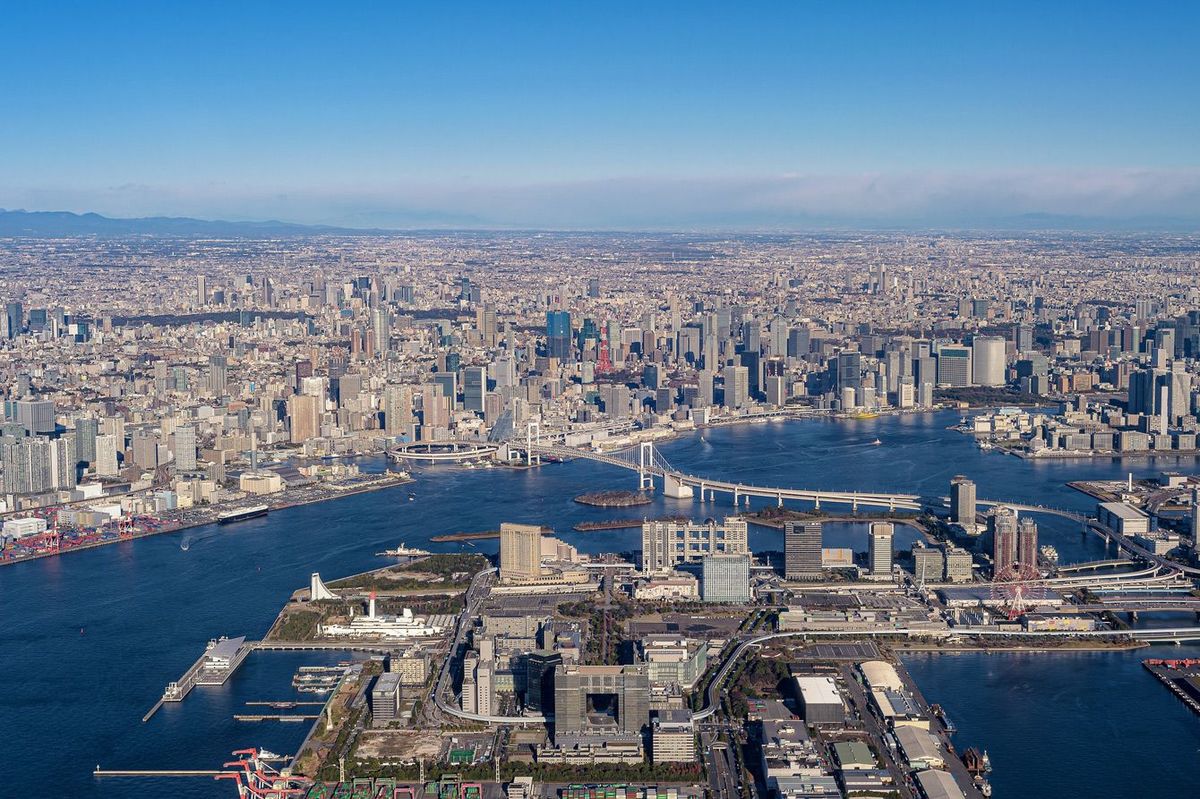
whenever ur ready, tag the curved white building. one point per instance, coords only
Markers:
(988, 361)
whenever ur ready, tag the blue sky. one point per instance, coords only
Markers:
(601, 114)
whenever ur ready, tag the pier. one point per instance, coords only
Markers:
(99, 772)
(220, 660)
(293, 717)
(1182, 677)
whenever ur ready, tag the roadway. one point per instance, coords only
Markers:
(712, 696)
(474, 597)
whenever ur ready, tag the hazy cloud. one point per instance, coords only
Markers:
(772, 202)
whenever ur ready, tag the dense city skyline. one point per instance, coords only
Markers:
(622, 401)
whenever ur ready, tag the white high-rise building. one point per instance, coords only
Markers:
(988, 361)
(880, 552)
(106, 456)
(185, 448)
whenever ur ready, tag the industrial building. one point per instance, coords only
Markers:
(935, 784)
(820, 700)
(1122, 518)
(919, 747)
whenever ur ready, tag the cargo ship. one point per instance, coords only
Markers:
(242, 513)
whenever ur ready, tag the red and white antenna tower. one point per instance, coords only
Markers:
(603, 361)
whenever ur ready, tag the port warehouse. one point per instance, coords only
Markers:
(1122, 518)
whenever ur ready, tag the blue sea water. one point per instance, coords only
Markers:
(88, 640)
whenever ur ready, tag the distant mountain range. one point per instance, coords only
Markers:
(61, 224)
(65, 224)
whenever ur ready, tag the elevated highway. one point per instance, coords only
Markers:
(712, 696)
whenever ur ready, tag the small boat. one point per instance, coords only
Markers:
(411, 497)
(876, 443)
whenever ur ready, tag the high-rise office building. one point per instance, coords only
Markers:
(520, 552)
(962, 502)
(725, 578)
(929, 564)
(988, 361)
(14, 319)
(539, 679)
(218, 368)
(185, 448)
(777, 390)
(558, 335)
(581, 691)
(799, 341)
(1002, 523)
(704, 388)
(737, 386)
(954, 366)
(849, 370)
(1023, 337)
(474, 387)
(958, 565)
(201, 290)
(802, 550)
(879, 554)
(435, 407)
(36, 416)
(145, 449)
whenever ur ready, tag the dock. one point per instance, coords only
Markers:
(1182, 677)
(293, 717)
(99, 772)
(220, 660)
(283, 704)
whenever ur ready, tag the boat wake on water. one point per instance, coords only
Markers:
(190, 538)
